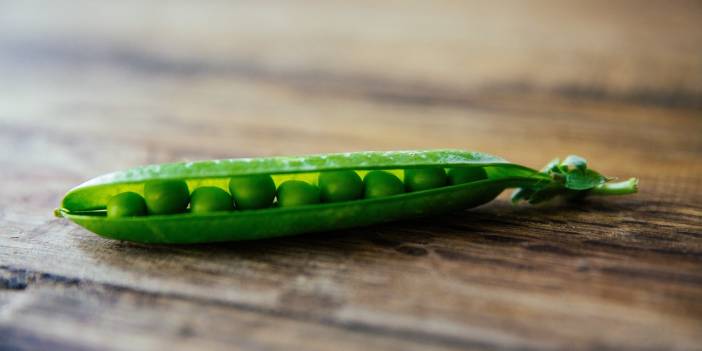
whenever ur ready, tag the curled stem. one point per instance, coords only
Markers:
(629, 186)
(574, 180)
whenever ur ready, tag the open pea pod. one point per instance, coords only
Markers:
(86, 203)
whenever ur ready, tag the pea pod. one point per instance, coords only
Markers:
(86, 203)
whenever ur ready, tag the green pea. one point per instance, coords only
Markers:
(460, 175)
(166, 196)
(417, 179)
(381, 183)
(127, 204)
(252, 191)
(210, 199)
(338, 186)
(297, 193)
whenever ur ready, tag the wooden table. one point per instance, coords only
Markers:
(87, 88)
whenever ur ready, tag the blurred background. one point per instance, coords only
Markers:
(89, 87)
(169, 80)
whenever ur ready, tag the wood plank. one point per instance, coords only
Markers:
(490, 273)
(76, 314)
(330, 281)
(91, 93)
(475, 266)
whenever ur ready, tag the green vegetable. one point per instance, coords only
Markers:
(382, 184)
(417, 179)
(166, 196)
(460, 175)
(297, 193)
(126, 204)
(210, 199)
(94, 205)
(252, 192)
(340, 186)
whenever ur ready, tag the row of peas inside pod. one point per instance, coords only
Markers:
(259, 191)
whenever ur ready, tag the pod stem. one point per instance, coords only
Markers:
(630, 186)
(571, 178)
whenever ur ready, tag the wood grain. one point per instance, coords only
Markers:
(88, 88)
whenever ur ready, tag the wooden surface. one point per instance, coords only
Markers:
(87, 88)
